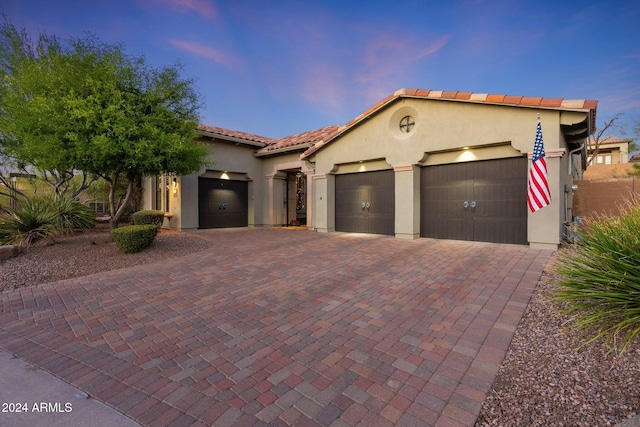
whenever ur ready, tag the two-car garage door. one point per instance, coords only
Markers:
(483, 201)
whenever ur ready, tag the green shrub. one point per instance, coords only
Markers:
(601, 279)
(134, 238)
(34, 221)
(148, 217)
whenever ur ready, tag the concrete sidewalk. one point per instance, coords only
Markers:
(31, 397)
(277, 327)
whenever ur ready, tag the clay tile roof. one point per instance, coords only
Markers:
(478, 97)
(549, 103)
(515, 100)
(532, 101)
(234, 134)
(612, 140)
(309, 137)
(495, 98)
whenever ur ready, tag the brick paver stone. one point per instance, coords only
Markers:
(278, 327)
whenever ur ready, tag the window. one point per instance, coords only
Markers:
(163, 184)
(603, 159)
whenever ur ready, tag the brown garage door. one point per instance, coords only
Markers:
(223, 203)
(365, 202)
(483, 201)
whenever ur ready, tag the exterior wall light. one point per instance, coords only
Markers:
(175, 185)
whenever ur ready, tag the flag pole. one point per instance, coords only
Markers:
(539, 193)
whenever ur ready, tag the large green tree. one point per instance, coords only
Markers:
(82, 105)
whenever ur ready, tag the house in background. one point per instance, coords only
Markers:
(612, 150)
(607, 184)
(420, 163)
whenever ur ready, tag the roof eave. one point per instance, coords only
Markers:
(283, 150)
(232, 139)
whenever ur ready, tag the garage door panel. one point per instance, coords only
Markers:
(497, 231)
(222, 203)
(498, 188)
(446, 228)
(376, 191)
(443, 192)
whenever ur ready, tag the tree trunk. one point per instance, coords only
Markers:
(117, 207)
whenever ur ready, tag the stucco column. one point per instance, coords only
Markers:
(542, 234)
(184, 203)
(308, 172)
(407, 201)
(324, 212)
(276, 197)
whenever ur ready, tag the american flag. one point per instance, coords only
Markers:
(538, 195)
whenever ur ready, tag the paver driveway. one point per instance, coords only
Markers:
(285, 327)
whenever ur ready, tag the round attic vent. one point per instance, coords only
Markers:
(407, 123)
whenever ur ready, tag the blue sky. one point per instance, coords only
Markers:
(276, 68)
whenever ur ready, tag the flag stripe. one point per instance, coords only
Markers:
(538, 194)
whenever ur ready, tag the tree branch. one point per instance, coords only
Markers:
(593, 144)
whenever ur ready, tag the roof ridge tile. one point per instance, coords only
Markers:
(495, 98)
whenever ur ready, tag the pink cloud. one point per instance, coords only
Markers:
(380, 69)
(203, 8)
(434, 47)
(620, 101)
(387, 58)
(207, 52)
(323, 85)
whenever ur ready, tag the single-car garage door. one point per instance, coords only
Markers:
(483, 201)
(223, 203)
(365, 202)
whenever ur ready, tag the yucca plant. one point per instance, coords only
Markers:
(71, 215)
(42, 218)
(35, 221)
(601, 279)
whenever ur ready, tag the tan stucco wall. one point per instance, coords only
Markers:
(445, 132)
(239, 163)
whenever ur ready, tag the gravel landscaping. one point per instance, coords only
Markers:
(87, 253)
(545, 380)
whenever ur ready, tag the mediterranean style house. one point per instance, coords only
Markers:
(611, 151)
(419, 163)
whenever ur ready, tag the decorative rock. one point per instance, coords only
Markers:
(8, 251)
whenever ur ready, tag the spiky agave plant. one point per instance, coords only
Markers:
(601, 280)
(34, 221)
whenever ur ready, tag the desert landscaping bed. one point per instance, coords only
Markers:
(87, 253)
(545, 380)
